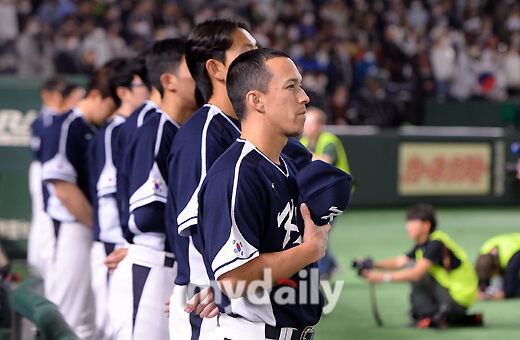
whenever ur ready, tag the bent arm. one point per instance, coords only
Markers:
(414, 273)
(283, 264)
(393, 263)
(74, 200)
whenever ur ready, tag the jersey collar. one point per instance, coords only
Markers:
(285, 173)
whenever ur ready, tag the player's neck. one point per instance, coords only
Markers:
(85, 107)
(155, 96)
(220, 99)
(170, 106)
(422, 239)
(124, 110)
(264, 138)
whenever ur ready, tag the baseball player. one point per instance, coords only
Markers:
(121, 140)
(248, 228)
(149, 268)
(128, 92)
(211, 48)
(64, 171)
(40, 240)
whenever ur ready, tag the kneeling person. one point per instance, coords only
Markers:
(500, 256)
(444, 283)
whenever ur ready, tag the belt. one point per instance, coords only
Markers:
(149, 255)
(275, 333)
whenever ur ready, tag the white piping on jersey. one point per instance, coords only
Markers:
(222, 263)
(106, 184)
(188, 216)
(270, 161)
(59, 167)
(148, 105)
(154, 189)
(177, 125)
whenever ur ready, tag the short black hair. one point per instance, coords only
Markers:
(249, 72)
(423, 212)
(54, 83)
(209, 40)
(100, 79)
(122, 74)
(164, 57)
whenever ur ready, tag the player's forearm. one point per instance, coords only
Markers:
(414, 273)
(283, 264)
(392, 263)
(74, 201)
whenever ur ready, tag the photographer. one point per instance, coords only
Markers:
(444, 283)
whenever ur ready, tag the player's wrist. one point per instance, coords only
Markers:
(387, 277)
(312, 251)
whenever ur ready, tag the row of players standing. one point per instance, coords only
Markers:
(143, 173)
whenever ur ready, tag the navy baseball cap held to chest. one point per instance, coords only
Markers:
(325, 189)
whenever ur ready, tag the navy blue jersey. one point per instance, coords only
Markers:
(199, 142)
(64, 157)
(123, 138)
(246, 208)
(147, 166)
(103, 176)
(42, 121)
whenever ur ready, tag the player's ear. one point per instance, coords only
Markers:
(216, 69)
(254, 100)
(121, 92)
(168, 81)
(95, 94)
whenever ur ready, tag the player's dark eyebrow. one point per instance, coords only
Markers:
(249, 45)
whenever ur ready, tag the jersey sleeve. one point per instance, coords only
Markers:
(213, 148)
(434, 251)
(232, 214)
(511, 279)
(411, 254)
(147, 182)
(61, 166)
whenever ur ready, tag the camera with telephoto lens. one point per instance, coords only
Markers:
(362, 264)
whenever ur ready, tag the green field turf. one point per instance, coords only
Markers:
(380, 234)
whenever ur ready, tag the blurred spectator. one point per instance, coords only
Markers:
(34, 51)
(385, 56)
(443, 64)
(9, 20)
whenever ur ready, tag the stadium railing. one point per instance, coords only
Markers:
(26, 303)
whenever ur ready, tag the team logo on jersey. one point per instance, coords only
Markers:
(285, 219)
(238, 249)
(156, 186)
(334, 212)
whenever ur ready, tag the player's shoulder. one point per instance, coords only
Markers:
(195, 124)
(240, 158)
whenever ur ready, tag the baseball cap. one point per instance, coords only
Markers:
(325, 189)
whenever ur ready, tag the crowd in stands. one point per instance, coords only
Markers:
(364, 62)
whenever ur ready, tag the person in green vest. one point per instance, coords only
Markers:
(326, 147)
(444, 282)
(499, 256)
(323, 145)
